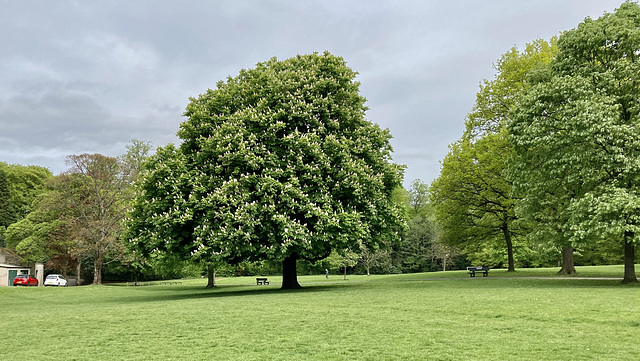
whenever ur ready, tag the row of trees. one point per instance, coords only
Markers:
(73, 221)
(279, 164)
(72, 216)
(549, 157)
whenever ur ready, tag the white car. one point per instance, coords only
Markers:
(55, 280)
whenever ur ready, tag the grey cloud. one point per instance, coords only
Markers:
(88, 77)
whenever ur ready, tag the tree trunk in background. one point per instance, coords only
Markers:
(78, 270)
(289, 273)
(211, 276)
(629, 259)
(507, 238)
(568, 268)
(97, 273)
(97, 270)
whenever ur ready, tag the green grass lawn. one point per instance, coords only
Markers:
(434, 316)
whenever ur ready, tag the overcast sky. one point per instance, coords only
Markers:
(87, 77)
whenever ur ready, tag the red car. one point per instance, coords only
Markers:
(25, 280)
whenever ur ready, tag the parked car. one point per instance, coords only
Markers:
(55, 280)
(25, 280)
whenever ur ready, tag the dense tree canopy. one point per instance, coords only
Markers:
(7, 213)
(77, 214)
(44, 235)
(578, 129)
(278, 162)
(472, 197)
(25, 184)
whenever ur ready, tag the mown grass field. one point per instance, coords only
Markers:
(428, 316)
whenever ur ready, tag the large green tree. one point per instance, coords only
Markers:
(277, 163)
(472, 197)
(578, 129)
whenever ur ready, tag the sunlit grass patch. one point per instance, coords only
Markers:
(397, 317)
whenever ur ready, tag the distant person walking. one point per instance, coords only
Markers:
(326, 273)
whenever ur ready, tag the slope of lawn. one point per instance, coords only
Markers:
(435, 316)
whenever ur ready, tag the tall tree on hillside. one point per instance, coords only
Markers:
(278, 163)
(472, 197)
(579, 124)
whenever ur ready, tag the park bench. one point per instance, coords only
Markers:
(473, 270)
(134, 284)
(262, 281)
(153, 283)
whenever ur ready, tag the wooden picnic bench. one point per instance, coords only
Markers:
(261, 281)
(473, 270)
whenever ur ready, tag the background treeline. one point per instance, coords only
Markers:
(546, 173)
(72, 222)
(548, 162)
(57, 220)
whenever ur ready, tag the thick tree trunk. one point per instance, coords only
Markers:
(568, 268)
(211, 277)
(507, 238)
(629, 260)
(289, 273)
(65, 267)
(97, 271)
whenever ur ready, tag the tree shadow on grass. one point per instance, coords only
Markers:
(177, 293)
(527, 282)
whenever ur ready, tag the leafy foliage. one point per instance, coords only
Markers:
(278, 162)
(577, 129)
(472, 197)
(34, 237)
(25, 184)
(7, 213)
